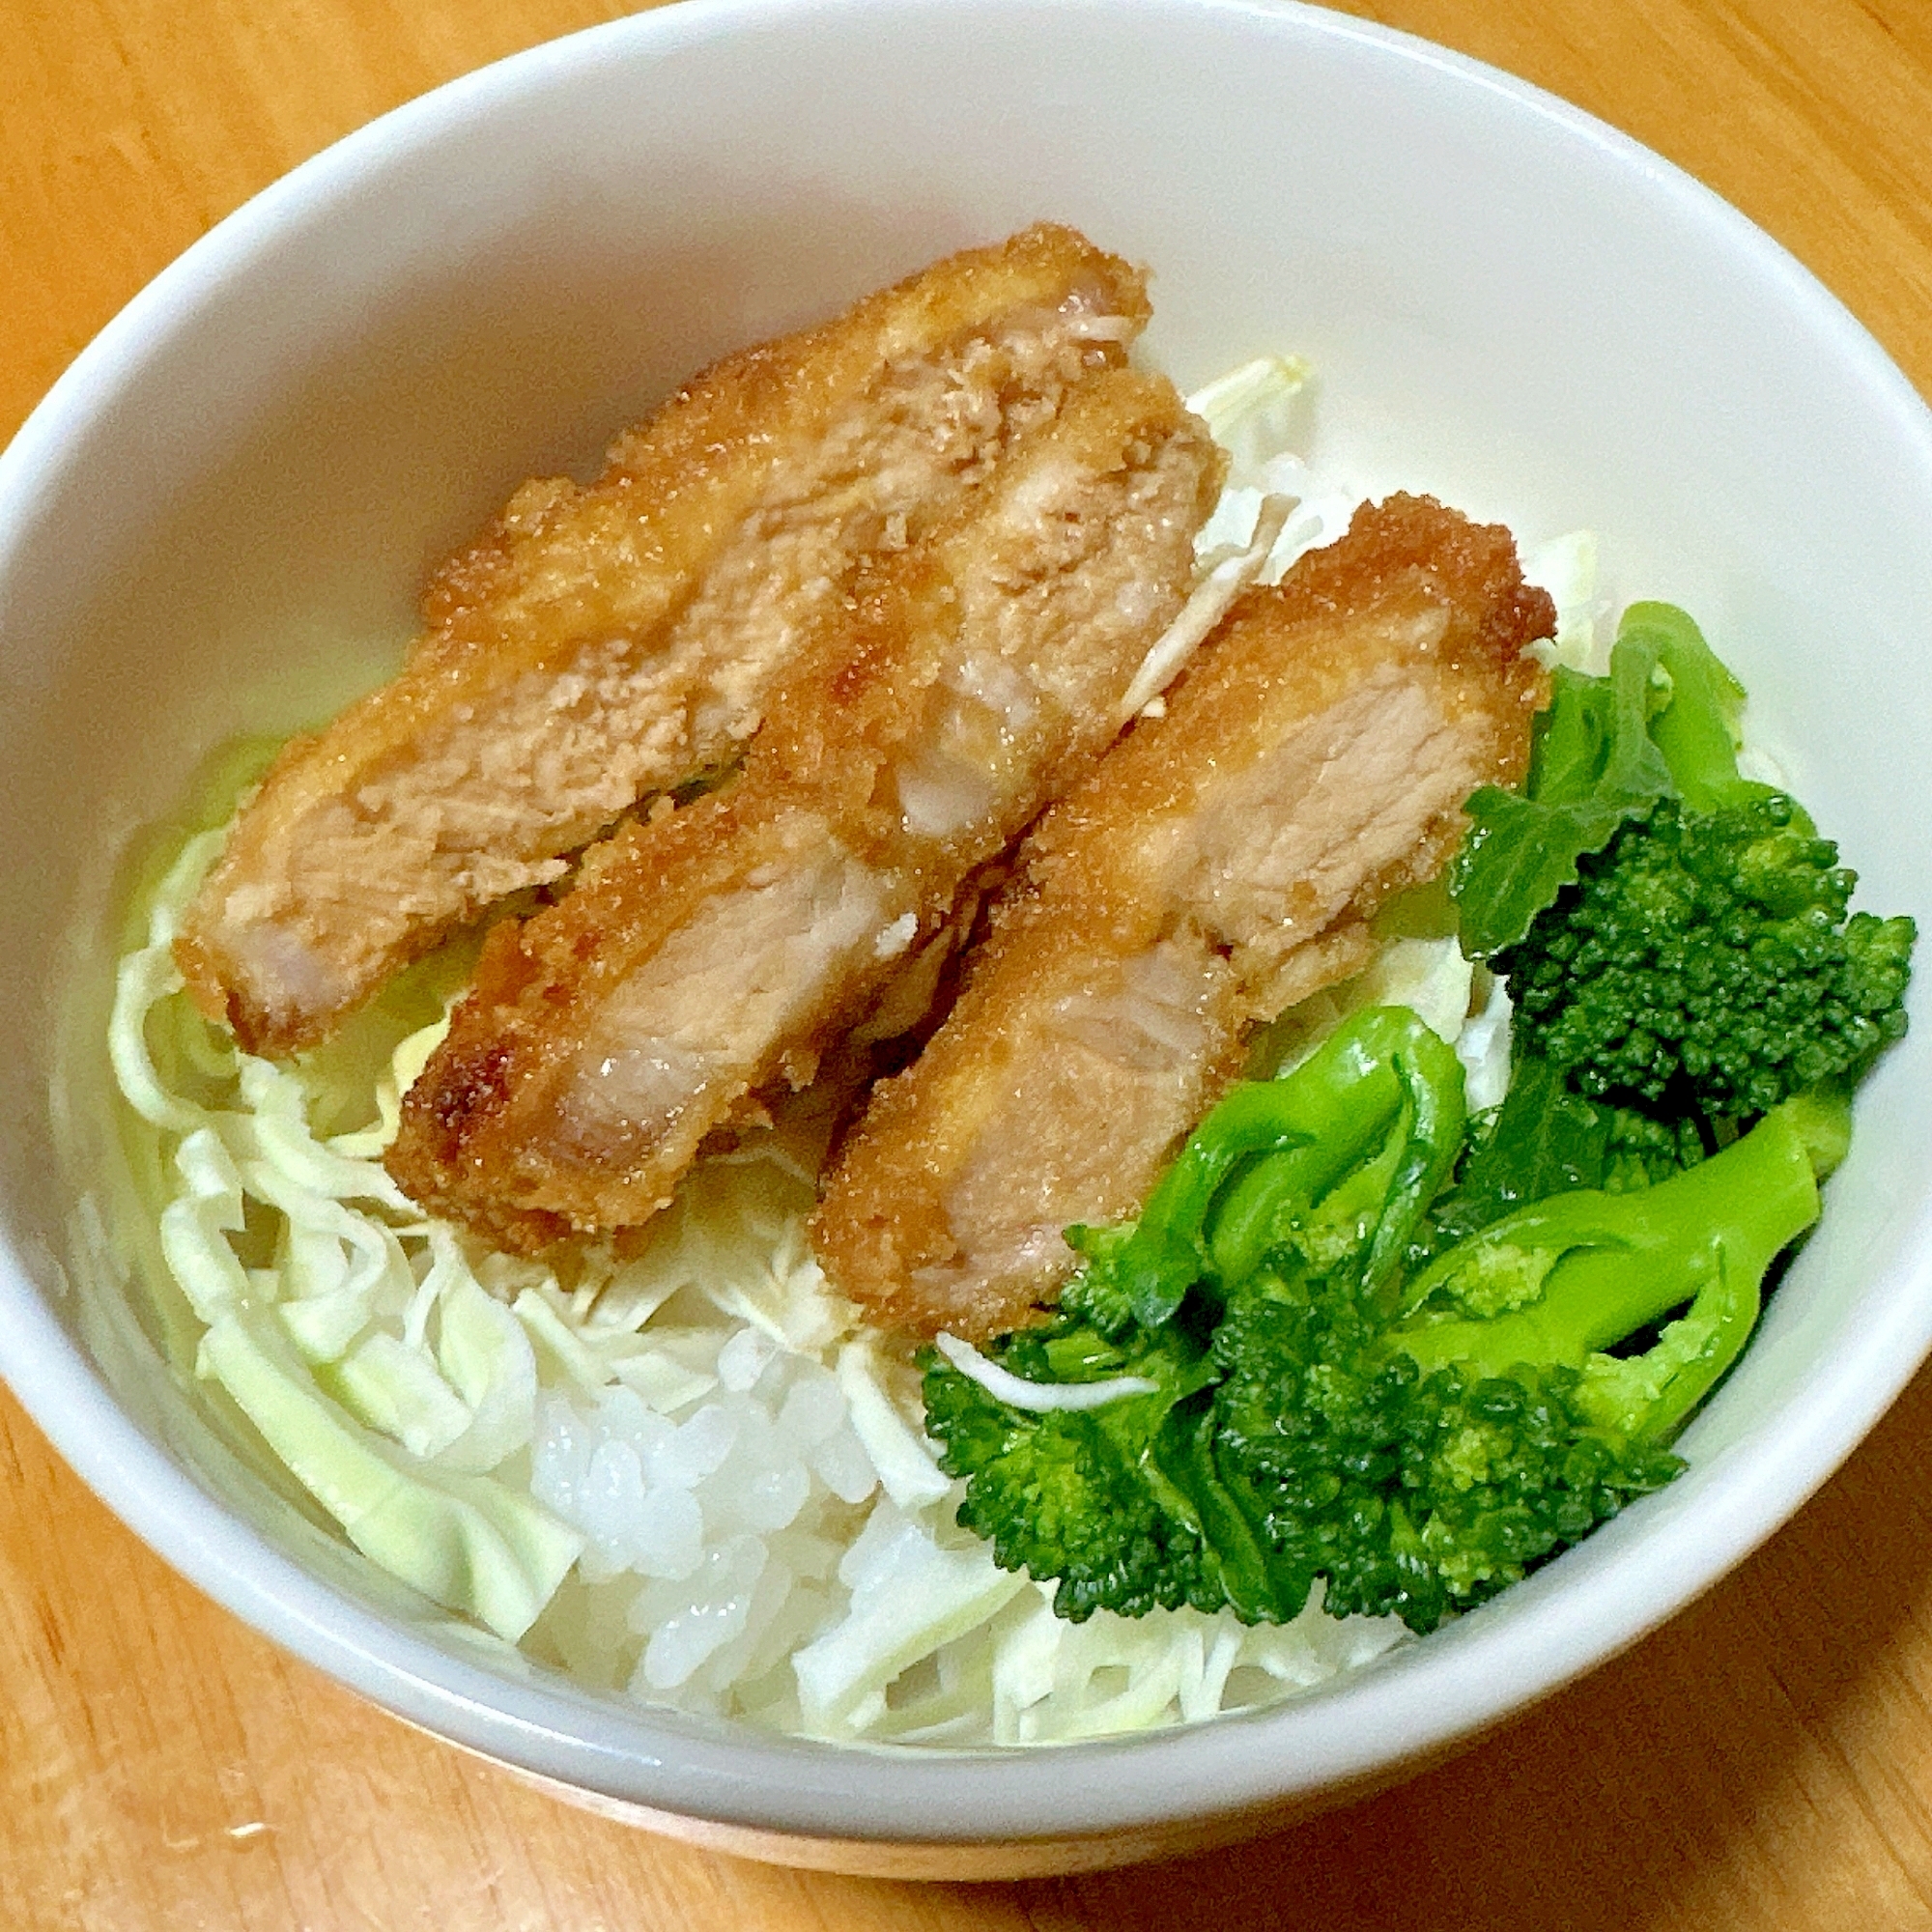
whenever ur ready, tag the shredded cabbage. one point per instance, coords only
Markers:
(1256, 414)
(1040, 1398)
(461, 1416)
(351, 1336)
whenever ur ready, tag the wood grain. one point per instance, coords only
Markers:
(1765, 1762)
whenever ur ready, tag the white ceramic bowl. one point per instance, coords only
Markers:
(221, 516)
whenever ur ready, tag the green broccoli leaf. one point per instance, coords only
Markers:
(1595, 764)
(1542, 1140)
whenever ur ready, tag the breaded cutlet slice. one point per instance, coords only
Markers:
(603, 643)
(714, 952)
(1220, 863)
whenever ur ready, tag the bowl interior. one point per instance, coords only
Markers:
(221, 518)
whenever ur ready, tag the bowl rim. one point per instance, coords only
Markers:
(1345, 1734)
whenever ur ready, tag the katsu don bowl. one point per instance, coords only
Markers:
(216, 532)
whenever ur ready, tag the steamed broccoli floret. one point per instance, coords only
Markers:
(1708, 961)
(1412, 1491)
(1418, 1443)
(1121, 1504)
(1691, 964)
(1066, 1494)
(1408, 1365)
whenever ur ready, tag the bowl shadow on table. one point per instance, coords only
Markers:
(1616, 1802)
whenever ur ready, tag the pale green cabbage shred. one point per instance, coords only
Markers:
(421, 1390)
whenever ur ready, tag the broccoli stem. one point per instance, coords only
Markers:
(1607, 1265)
(1698, 731)
(1383, 1095)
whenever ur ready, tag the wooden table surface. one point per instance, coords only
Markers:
(1766, 1761)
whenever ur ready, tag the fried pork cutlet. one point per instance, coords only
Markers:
(604, 642)
(1220, 863)
(716, 951)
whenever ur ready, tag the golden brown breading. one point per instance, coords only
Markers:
(603, 643)
(719, 949)
(1221, 863)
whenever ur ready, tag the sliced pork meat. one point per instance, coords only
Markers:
(711, 954)
(604, 642)
(1220, 863)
